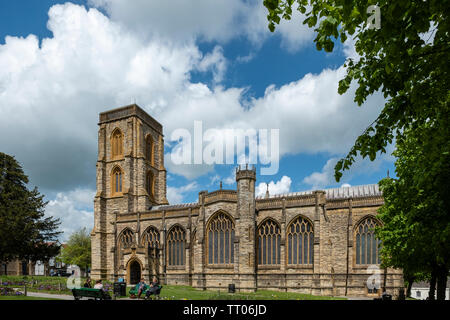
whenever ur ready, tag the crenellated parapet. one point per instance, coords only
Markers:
(248, 173)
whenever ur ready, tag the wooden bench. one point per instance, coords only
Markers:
(156, 293)
(134, 292)
(90, 293)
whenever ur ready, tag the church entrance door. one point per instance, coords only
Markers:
(135, 272)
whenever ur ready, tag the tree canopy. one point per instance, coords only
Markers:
(416, 230)
(77, 251)
(406, 59)
(25, 231)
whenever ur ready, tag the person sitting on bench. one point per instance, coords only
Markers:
(98, 284)
(141, 287)
(154, 288)
(87, 284)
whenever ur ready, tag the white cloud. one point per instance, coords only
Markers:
(325, 178)
(75, 210)
(206, 20)
(229, 180)
(216, 62)
(92, 64)
(350, 49)
(294, 34)
(189, 171)
(51, 93)
(177, 19)
(175, 195)
(281, 186)
(214, 180)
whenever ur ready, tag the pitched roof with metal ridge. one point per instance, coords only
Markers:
(336, 193)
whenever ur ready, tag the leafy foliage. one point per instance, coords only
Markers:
(25, 232)
(77, 250)
(406, 59)
(416, 231)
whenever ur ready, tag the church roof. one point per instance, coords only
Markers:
(175, 206)
(367, 190)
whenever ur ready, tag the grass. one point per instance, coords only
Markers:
(45, 284)
(172, 292)
(24, 298)
(169, 292)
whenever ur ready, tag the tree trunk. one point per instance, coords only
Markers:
(408, 289)
(441, 282)
(432, 285)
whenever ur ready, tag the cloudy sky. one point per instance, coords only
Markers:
(61, 63)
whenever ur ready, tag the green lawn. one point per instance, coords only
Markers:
(172, 292)
(24, 298)
(169, 292)
(45, 284)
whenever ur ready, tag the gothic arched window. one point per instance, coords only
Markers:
(116, 181)
(175, 246)
(149, 184)
(300, 242)
(220, 233)
(367, 244)
(149, 148)
(269, 238)
(126, 239)
(116, 144)
(151, 238)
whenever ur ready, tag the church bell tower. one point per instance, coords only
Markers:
(131, 177)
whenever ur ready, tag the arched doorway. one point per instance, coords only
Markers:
(134, 272)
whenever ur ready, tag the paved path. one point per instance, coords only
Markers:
(61, 296)
(357, 298)
(50, 295)
(70, 297)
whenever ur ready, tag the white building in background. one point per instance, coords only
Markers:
(39, 268)
(420, 290)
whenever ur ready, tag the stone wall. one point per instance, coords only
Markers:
(333, 220)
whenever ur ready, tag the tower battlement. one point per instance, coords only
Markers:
(128, 111)
(249, 172)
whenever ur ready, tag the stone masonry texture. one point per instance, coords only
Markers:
(333, 214)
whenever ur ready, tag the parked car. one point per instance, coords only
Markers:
(61, 273)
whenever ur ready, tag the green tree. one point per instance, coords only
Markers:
(25, 232)
(416, 231)
(406, 59)
(77, 250)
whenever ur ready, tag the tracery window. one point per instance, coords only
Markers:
(116, 144)
(149, 183)
(126, 238)
(220, 233)
(269, 238)
(300, 240)
(367, 244)
(151, 237)
(175, 246)
(116, 181)
(149, 148)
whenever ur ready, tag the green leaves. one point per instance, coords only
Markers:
(77, 250)
(24, 229)
(394, 59)
(407, 61)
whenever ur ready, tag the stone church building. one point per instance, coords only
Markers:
(317, 242)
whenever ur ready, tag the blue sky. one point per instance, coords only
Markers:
(222, 67)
